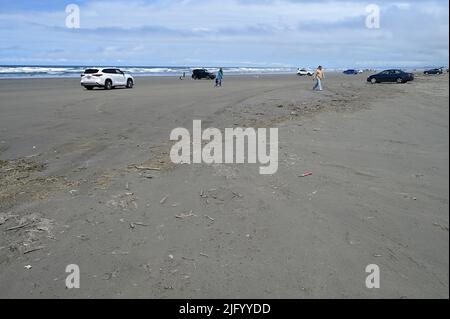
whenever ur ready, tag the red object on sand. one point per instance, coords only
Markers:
(307, 174)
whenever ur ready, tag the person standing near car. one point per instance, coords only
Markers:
(219, 78)
(318, 77)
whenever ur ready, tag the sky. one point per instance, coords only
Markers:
(258, 33)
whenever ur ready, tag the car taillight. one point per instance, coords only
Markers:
(97, 74)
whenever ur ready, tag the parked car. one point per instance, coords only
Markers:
(351, 72)
(434, 71)
(304, 72)
(397, 76)
(106, 78)
(199, 74)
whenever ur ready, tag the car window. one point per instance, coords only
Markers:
(385, 72)
(90, 71)
(108, 71)
(118, 71)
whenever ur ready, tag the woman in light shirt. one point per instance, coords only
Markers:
(318, 77)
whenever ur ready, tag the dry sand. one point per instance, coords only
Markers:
(71, 194)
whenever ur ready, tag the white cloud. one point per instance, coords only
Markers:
(265, 32)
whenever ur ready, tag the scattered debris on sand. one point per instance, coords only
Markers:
(185, 215)
(25, 235)
(306, 174)
(220, 195)
(22, 180)
(134, 224)
(143, 168)
(164, 199)
(124, 201)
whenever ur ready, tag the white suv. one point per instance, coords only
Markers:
(304, 72)
(106, 78)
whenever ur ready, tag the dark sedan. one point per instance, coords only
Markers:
(351, 72)
(199, 74)
(393, 76)
(434, 71)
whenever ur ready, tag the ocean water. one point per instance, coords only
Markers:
(20, 71)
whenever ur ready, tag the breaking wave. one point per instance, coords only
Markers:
(75, 71)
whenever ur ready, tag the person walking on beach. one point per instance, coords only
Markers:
(219, 78)
(318, 77)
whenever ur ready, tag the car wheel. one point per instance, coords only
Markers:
(373, 81)
(108, 85)
(426, 73)
(130, 84)
(400, 80)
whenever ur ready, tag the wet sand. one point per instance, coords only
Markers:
(73, 191)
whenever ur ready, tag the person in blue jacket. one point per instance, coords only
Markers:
(219, 78)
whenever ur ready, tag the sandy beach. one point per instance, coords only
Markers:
(85, 178)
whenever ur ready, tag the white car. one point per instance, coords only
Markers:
(106, 78)
(304, 72)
